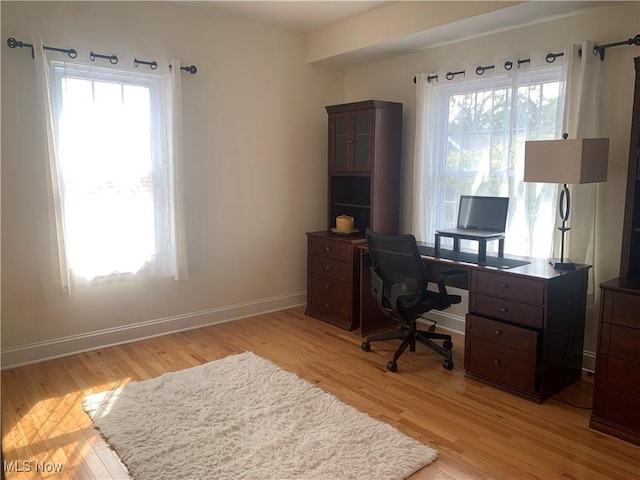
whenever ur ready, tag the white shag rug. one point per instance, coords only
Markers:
(243, 417)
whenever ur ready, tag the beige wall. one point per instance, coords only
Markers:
(255, 155)
(392, 80)
(255, 147)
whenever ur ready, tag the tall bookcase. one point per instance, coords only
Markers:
(630, 259)
(616, 392)
(364, 153)
(364, 164)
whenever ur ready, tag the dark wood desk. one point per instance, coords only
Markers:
(524, 328)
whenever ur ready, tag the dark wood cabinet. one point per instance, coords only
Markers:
(364, 164)
(333, 279)
(616, 393)
(630, 258)
(363, 182)
(524, 334)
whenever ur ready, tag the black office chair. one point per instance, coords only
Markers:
(399, 280)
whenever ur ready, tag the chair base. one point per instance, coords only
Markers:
(409, 336)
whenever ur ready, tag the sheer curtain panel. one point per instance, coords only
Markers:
(581, 120)
(470, 137)
(56, 281)
(115, 160)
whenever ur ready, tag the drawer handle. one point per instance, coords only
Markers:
(496, 362)
(327, 305)
(327, 286)
(498, 332)
(328, 249)
(328, 267)
(504, 309)
(504, 285)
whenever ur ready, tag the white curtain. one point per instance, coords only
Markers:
(423, 156)
(470, 135)
(56, 281)
(114, 171)
(581, 120)
(181, 271)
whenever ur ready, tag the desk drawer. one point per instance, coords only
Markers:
(624, 309)
(508, 366)
(339, 291)
(329, 305)
(621, 375)
(336, 250)
(508, 310)
(620, 342)
(331, 268)
(515, 338)
(508, 286)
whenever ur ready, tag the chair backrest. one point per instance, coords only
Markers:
(396, 259)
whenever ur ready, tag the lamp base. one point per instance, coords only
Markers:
(562, 264)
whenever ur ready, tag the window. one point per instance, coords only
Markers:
(115, 172)
(481, 128)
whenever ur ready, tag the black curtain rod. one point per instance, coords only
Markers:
(550, 58)
(73, 53)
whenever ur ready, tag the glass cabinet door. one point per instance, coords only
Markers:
(362, 141)
(340, 143)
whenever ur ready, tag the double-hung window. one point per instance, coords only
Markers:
(115, 172)
(480, 128)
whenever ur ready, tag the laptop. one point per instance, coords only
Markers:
(481, 217)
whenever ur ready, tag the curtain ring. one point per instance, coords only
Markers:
(508, 65)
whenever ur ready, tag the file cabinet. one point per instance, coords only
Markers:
(524, 334)
(333, 280)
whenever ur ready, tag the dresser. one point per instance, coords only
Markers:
(333, 279)
(616, 397)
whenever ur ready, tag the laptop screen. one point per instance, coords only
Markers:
(483, 213)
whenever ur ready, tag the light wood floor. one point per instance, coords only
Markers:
(479, 432)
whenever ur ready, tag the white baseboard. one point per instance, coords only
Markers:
(61, 347)
(588, 361)
(447, 321)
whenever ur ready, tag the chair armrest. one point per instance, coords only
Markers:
(442, 289)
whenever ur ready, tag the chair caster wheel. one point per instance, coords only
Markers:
(447, 344)
(447, 364)
(366, 346)
(392, 366)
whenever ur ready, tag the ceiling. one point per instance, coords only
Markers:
(298, 15)
(307, 16)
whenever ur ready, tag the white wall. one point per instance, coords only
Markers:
(255, 154)
(392, 80)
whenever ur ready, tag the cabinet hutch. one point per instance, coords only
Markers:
(616, 394)
(364, 153)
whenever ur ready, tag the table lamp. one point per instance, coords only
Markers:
(566, 161)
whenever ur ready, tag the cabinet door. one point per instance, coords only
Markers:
(351, 141)
(339, 142)
(362, 141)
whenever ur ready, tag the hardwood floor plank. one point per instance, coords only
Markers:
(479, 432)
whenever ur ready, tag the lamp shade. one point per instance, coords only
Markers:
(570, 161)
